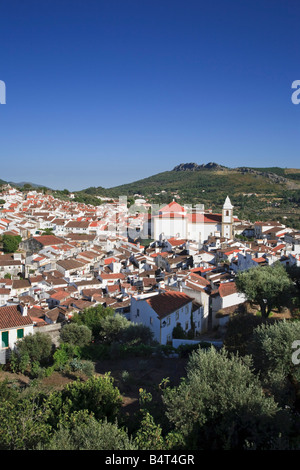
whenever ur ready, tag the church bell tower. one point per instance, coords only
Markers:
(227, 219)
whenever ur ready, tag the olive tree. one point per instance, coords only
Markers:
(268, 286)
(221, 405)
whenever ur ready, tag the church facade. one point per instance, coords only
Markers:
(174, 220)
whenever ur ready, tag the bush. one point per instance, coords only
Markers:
(92, 318)
(271, 349)
(137, 334)
(97, 395)
(63, 354)
(37, 346)
(221, 405)
(86, 367)
(112, 328)
(91, 435)
(77, 335)
(184, 350)
(178, 332)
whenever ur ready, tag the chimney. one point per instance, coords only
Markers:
(23, 309)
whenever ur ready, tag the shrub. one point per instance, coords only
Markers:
(77, 335)
(37, 346)
(91, 435)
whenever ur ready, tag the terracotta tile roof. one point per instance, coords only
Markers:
(4, 291)
(47, 240)
(172, 207)
(167, 302)
(70, 264)
(199, 279)
(21, 284)
(227, 288)
(112, 276)
(176, 242)
(78, 224)
(11, 317)
(205, 218)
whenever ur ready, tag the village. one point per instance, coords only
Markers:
(74, 256)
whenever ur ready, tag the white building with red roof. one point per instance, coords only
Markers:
(163, 311)
(14, 325)
(174, 220)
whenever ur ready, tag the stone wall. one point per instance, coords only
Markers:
(52, 330)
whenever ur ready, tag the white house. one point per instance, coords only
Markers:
(14, 325)
(225, 297)
(162, 312)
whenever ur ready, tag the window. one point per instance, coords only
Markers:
(177, 314)
(151, 321)
(4, 338)
(186, 325)
(186, 309)
(168, 321)
(137, 312)
(20, 333)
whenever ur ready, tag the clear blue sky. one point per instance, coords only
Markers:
(101, 93)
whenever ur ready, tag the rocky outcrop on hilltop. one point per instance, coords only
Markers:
(196, 167)
(271, 176)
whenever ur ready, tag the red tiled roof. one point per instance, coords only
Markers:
(112, 276)
(172, 207)
(47, 240)
(11, 317)
(205, 218)
(167, 302)
(200, 279)
(176, 242)
(227, 288)
(259, 260)
(110, 260)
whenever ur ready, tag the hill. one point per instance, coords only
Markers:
(257, 193)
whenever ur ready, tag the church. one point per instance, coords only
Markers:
(195, 224)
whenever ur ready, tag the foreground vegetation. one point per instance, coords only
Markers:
(244, 396)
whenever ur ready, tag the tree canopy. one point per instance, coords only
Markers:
(221, 405)
(10, 243)
(268, 286)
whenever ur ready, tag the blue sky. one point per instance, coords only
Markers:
(101, 93)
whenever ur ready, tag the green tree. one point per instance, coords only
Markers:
(149, 435)
(47, 231)
(268, 286)
(23, 423)
(10, 243)
(239, 331)
(92, 317)
(37, 346)
(97, 395)
(272, 349)
(112, 328)
(137, 334)
(221, 405)
(75, 334)
(84, 432)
